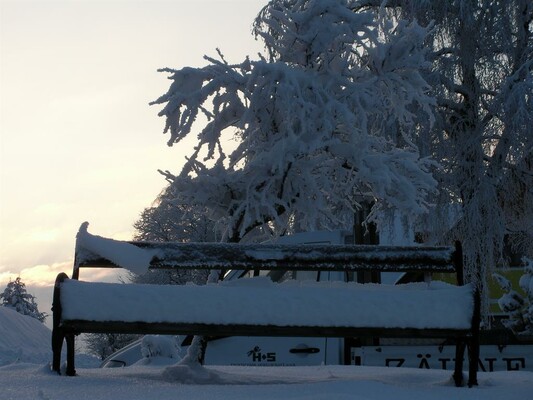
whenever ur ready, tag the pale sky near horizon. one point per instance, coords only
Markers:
(78, 140)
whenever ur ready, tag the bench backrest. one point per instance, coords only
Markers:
(307, 257)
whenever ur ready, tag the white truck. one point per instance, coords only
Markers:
(302, 351)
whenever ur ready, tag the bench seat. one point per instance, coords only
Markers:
(260, 302)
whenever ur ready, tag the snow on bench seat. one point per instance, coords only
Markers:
(259, 301)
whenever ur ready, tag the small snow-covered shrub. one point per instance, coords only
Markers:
(102, 345)
(16, 297)
(519, 307)
(160, 346)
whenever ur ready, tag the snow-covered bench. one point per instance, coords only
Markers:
(256, 306)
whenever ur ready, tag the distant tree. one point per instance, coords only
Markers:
(16, 297)
(310, 122)
(167, 221)
(481, 77)
(102, 345)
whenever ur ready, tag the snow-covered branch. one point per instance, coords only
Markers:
(339, 88)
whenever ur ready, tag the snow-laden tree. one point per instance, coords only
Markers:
(481, 76)
(327, 117)
(16, 297)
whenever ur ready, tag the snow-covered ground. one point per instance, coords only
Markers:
(22, 338)
(28, 381)
(25, 374)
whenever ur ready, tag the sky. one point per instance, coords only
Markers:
(78, 140)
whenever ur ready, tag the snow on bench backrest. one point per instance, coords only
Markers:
(95, 251)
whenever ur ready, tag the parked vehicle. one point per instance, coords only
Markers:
(302, 351)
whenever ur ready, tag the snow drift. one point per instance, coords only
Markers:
(23, 338)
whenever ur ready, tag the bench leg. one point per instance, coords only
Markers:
(57, 345)
(473, 359)
(58, 334)
(459, 354)
(71, 370)
(473, 344)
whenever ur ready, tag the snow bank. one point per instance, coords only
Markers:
(262, 302)
(23, 338)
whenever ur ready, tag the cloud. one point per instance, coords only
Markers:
(40, 279)
(38, 275)
(44, 275)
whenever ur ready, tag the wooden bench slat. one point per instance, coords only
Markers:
(254, 330)
(312, 257)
